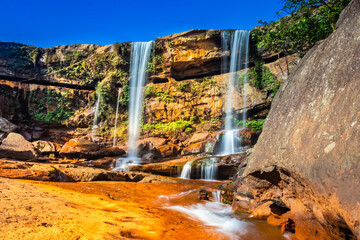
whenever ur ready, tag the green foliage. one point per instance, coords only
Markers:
(170, 127)
(309, 22)
(52, 107)
(154, 64)
(171, 44)
(19, 57)
(255, 125)
(160, 94)
(183, 86)
(260, 77)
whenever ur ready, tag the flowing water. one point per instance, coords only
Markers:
(140, 55)
(221, 221)
(209, 169)
(95, 122)
(237, 44)
(186, 171)
(116, 115)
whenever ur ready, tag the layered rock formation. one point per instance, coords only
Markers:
(307, 158)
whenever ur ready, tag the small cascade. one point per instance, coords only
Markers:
(217, 196)
(186, 171)
(140, 55)
(209, 169)
(95, 122)
(116, 115)
(238, 46)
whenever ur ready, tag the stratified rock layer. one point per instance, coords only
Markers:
(308, 154)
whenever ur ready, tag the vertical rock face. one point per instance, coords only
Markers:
(308, 154)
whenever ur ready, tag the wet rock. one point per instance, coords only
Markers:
(198, 137)
(194, 148)
(168, 150)
(14, 146)
(46, 147)
(262, 212)
(204, 194)
(308, 153)
(6, 126)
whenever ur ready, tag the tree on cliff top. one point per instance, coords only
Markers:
(309, 21)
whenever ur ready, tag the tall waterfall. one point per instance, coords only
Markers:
(238, 45)
(116, 115)
(140, 55)
(95, 122)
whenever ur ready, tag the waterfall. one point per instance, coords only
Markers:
(217, 196)
(116, 115)
(95, 122)
(209, 169)
(140, 55)
(186, 171)
(238, 45)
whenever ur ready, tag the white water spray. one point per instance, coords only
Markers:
(95, 122)
(116, 115)
(140, 55)
(239, 51)
(209, 169)
(186, 171)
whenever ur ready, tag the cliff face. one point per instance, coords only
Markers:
(185, 82)
(307, 157)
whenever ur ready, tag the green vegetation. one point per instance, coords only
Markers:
(309, 21)
(255, 125)
(154, 65)
(52, 106)
(183, 86)
(260, 77)
(171, 44)
(19, 57)
(160, 94)
(170, 127)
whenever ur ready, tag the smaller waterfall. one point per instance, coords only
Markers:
(217, 196)
(116, 115)
(186, 171)
(95, 123)
(209, 169)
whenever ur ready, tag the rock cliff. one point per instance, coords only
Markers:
(307, 158)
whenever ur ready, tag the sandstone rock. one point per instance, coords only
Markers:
(194, 148)
(78, 148)
(46, 147)
(308, 152)
(198, 137)
(169, 150)
(262, 212)
(6, 126)
(14, 146)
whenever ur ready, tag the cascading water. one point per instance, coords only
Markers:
(140, 55)
(116, 115)
(186, 171)
(95, 122)
(209, 169)
(238, 45)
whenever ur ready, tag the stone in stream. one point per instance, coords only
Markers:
(204, 194)
(14, 146)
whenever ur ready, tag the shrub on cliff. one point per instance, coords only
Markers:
(309, 21)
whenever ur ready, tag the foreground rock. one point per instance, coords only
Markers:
(83, 148)
(308, 154)
(71, 173)
(15, 146)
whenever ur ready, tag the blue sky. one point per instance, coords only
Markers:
(51, 23)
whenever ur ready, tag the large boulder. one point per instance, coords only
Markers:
(83, 148)
(14, 146)
(308, 154)
(5, 128)
(46, 147)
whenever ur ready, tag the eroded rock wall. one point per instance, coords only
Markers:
(308, 154)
